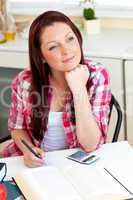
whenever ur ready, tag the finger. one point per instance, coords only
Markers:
(68, 73)
(79, 66)
(85, 67)
(73, 69)
(41, 152)
(33, 162)
(36, 164)
(35, 159)
(32, 158)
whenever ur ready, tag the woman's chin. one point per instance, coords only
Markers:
(70, 67)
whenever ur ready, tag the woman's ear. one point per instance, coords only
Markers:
(42, 58)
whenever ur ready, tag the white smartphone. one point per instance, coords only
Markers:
(83, 157)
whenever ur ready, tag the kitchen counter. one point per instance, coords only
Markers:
(14, 54)
(110, 43)
(18, 45)
(116, 43)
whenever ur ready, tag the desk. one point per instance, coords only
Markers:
(109, 153)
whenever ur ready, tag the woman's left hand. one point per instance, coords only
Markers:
(77, 78)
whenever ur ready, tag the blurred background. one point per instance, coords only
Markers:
(107, 30)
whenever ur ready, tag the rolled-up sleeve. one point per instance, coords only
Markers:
(16, 117)
(100, 97)
(20, 108)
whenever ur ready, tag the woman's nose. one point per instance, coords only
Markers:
(64, 50)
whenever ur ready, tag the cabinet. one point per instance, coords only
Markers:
(115, 69)
(6, 76)
(129, 99)
(11, 63)
(13, 59)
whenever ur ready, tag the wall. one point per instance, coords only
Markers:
(106, 22)
(117, 23)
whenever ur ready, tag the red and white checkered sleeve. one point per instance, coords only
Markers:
(100, 96)
(16, 118)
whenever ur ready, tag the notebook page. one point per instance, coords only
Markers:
(92, 182)
(122, 167)
(123, 171)
(46, 183)
(14, 165)
(28, 186)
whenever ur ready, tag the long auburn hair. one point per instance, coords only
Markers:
(40, 71)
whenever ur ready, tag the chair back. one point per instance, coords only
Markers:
(114, 103)
(5, 138)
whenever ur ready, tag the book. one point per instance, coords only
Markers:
(122, 170)
(71, 183)
(2, 171)
(13, 192)
(74, 180)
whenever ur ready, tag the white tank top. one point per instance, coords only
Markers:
(54, 137)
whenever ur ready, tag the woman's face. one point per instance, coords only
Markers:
(60, 47)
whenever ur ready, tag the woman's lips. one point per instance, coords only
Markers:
(68, 59)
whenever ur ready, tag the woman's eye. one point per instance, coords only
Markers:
(53, 47)
(71, 38)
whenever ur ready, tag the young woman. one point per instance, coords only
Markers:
(63, 100)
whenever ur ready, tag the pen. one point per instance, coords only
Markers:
(119, 182)
(30, 149)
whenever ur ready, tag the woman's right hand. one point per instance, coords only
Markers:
(31, 160)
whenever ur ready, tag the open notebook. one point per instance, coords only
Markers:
(71, 183)
(66, 179)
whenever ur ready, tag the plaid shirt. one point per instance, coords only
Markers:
(21, 113)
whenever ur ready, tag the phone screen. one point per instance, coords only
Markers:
(79, 155)
(83, 157)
